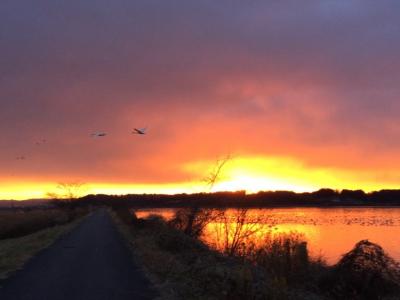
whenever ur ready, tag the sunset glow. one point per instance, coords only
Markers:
(302, 101)
(252, 174)
(241, 149)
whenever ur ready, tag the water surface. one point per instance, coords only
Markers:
(330, 232)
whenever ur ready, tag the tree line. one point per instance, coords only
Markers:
(320, 198)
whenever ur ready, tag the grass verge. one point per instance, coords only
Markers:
(184, 268)
(17, 223)
(130, 237)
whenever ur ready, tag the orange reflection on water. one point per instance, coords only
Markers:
(329, 232)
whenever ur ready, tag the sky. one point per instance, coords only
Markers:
(302, 95)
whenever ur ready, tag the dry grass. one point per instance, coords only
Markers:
(122, 219)
(15, 252)
(184, 268)
(17, 223)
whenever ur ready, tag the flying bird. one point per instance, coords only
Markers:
(41, 142)
(20, 158)
(139, 131)
(98, 134)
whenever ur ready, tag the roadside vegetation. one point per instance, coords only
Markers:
(26, 231)
(17, 222)
(16, 251)
(277, 266)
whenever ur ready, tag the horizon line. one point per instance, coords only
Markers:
(219, 192)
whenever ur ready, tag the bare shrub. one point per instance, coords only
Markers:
(192, 221)
(233, 231)
(127, 215)
(366, 272)
(67, 193)
(283, 255)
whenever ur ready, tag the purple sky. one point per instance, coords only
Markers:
(316, 81)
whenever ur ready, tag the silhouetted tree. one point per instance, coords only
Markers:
(325, 193)
(67, 193)
(353, 195)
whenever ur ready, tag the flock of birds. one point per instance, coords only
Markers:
(135, 131)
(139, 131)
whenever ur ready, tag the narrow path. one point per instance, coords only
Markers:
(91, 262)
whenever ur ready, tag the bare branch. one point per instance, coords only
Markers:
(67, 192)
(214, 175)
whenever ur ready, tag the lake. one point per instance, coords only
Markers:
(329, 232)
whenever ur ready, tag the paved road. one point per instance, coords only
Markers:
(91, 262)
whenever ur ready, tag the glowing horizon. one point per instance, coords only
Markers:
(251, 174)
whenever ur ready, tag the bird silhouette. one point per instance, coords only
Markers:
(41, 142)
(139, 131)
(98, 134)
